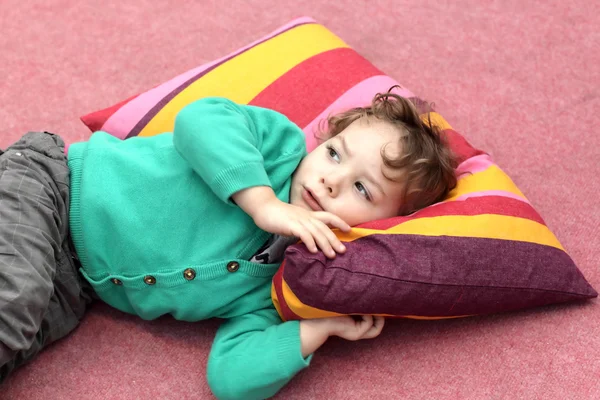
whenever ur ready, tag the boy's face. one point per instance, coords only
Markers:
(345, 174)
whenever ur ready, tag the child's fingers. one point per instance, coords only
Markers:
(306, 237)
(366, 322)
(332, 239)
(364, 326)
(323, 219)
(375, 329)
(317, 235)
(333, 220)
(313, 238)
(320, 237)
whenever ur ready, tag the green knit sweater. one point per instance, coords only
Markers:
(157, 233)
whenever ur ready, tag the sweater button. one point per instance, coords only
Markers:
(233, 266)
(149, 280)
(116, 281)
(189, 274)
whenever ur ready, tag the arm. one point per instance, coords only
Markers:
(255, 355)
(224, 143)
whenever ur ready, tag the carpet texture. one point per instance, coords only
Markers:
(520, 80)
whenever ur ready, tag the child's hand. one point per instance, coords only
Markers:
(314, 332)
(312, 227)
(361, 327)
(272, 215)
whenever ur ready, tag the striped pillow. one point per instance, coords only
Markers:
(482, 250)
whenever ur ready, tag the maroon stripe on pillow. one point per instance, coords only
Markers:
(471, 206)
(306, 90)
(434, 276)
(460, 146)
(288, 314)
(165, 100)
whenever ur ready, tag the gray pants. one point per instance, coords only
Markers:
(42, 295)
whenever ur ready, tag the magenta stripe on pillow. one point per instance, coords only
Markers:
(474, 164)
(499, 193)
(360, 94)
(476, 205)
(123, 122)
(474, 277)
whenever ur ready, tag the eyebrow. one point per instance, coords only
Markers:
(345, 146)
(369, 175)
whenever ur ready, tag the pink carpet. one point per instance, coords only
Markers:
(520, 81)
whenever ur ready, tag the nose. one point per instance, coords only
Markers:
(333, 183)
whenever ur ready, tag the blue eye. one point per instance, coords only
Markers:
(333, 154)
(363, 190)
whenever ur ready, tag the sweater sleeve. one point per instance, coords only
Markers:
(222, 142)
(254, 356)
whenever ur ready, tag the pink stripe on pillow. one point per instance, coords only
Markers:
(474, 164)
(492, 193)
(125, 119)
(362, 94)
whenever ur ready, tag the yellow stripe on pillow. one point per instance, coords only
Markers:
(478, 226)
(436, 120)
(490, 179)
(250, 72)
(296, 305)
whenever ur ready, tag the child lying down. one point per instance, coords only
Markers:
(194, 223)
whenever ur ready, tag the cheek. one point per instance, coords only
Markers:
(307, 164)
(300, 172)
(388, 211)
(352, 210)
(355, 211)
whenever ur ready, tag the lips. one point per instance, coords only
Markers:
(312, 202)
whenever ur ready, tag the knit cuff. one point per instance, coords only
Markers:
(238, 178)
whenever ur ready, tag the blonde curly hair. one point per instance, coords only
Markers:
(426, 163)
